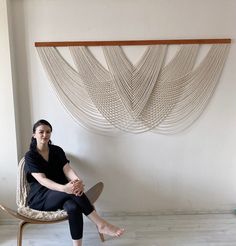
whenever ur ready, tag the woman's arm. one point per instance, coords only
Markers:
(43, 180)
(70, 173)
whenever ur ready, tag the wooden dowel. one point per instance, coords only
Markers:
(132, 42)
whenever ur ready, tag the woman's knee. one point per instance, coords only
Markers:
(71, 207)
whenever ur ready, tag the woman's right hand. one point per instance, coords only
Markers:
(68, 188)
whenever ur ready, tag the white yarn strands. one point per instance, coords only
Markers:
(194, 90)
(70, 90)
(135, 98)
(101, 89)
(115, 104)
(162, 99)
(135, 83)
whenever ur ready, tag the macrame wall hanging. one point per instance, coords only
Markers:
(150, 95)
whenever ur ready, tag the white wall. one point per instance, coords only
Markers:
(8, 147)
(193, 170)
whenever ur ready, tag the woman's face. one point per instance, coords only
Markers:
(42, 134)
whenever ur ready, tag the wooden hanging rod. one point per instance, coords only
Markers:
(132, 42)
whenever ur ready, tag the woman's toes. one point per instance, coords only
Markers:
(111, 230)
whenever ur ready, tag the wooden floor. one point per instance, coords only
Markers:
(163, 230)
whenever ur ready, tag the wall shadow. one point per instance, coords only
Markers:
(20, 66)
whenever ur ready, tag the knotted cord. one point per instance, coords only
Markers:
(138, 97)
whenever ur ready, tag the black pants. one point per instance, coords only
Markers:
(75, 206)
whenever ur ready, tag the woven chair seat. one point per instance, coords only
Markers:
(42, 215)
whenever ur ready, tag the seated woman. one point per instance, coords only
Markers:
(55, 185)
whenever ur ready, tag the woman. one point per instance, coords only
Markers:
(55, 185)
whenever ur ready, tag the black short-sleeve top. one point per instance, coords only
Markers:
(53, 169)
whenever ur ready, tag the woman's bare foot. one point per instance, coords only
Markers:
(110, 230)
(104, 227)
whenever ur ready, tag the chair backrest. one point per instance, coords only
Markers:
(21, 201)
(22, 185)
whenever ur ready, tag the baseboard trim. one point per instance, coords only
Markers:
(166, 212)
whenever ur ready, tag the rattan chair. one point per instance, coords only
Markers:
(27, 215)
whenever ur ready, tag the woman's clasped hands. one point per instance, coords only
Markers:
(75, 187)
(78, 187)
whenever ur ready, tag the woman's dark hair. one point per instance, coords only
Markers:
(33, 143)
